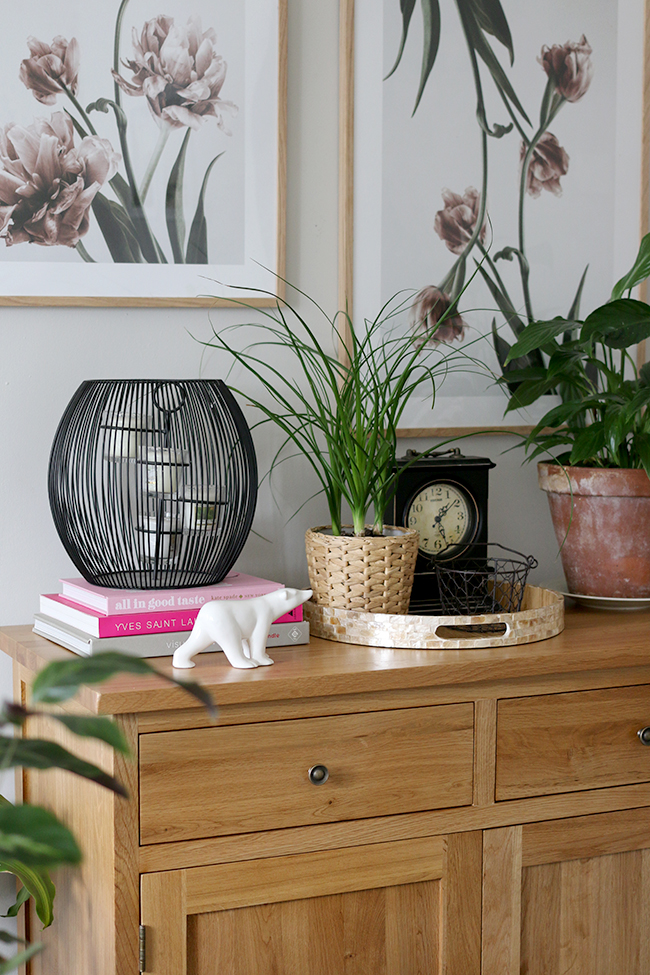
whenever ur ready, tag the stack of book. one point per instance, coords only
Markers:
(148, 623)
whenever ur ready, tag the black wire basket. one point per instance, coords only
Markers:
(492, 582)
(153, 483)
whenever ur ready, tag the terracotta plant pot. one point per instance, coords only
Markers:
(606, 512)
(372, 573)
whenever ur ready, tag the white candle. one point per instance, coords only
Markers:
(125, 433)
(200, 506)
(164, 469)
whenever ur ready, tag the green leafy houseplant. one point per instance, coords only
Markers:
(342, 412)
(32, 840)
(603, 420)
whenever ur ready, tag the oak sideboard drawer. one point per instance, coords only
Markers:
(247, 778)
(566, 742)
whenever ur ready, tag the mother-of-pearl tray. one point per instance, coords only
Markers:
(541, 616)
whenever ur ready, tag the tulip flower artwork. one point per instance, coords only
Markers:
(62, 171)
(462, 223)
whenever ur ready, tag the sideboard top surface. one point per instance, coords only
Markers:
(591, 641)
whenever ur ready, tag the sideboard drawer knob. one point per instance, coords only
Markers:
(644, 736)
(318, 774)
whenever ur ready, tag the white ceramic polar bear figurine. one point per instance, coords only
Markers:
(236, 624)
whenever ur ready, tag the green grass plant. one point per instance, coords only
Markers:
(339, 403)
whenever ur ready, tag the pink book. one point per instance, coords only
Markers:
(129, 624)
(113, 602)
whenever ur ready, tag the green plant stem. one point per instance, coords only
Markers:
(163, 136)
(499, 280)
(454, 276)
(515, 121)
(116, 49)
(81, 250)
(81, 111)
(545, 122)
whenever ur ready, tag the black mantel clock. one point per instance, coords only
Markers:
(444, 495)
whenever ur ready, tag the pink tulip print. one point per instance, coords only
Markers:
(71, 166)
(465, 223)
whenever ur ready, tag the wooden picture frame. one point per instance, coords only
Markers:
(175, 198)
(620, 107)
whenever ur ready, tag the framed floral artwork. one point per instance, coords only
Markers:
(493, 160)
(142, 151)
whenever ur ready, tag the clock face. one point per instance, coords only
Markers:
(446, 516)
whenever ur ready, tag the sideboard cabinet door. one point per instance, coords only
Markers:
(399, 908)
(569, 895)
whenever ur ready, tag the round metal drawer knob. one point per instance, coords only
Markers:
(318, 774)
(644, 736)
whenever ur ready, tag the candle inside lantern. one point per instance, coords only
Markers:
(200, 506)
(125, 434)
(164, 469)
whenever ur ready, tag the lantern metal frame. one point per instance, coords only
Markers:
(153, 483)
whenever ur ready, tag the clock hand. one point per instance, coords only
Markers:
(443, 511)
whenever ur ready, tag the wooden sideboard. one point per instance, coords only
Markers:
(487, 812)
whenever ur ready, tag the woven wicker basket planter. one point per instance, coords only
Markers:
(373, 573)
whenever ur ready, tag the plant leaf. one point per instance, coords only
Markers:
(491, 18)
(43, 754)
(21, 897)
(574, 310)
(11, 964)
(618, 324)
(431, 23)
(502, 350)
(529, 391)
(407, 7)
(36, 838)
(60, 680)
(37, 884)
(94, 727)
(639, 271)
(489, 58)
(117, 230)
(642, 447)
(197, 242)
(174, 204)
(506, 307)
(149, 246)
(588, 443)
(537, 335)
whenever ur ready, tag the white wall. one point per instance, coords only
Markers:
(47, 352)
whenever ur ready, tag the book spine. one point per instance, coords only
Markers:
(129, 603)
(155, 645)
(288, 634)
(139, 624)
(135, 624)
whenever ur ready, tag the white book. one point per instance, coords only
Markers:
(150, 644)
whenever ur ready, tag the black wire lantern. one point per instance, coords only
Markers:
(153, 483)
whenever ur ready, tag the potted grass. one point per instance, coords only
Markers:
(598, 438)
(340, 407)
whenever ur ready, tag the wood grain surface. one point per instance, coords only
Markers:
(591, 641)
(216, 781)
(565, 742)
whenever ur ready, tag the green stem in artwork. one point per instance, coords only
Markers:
(455, 278)
(83, 253)
(551, 105)
(116, 48)
(163, 135)
(81, 111)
